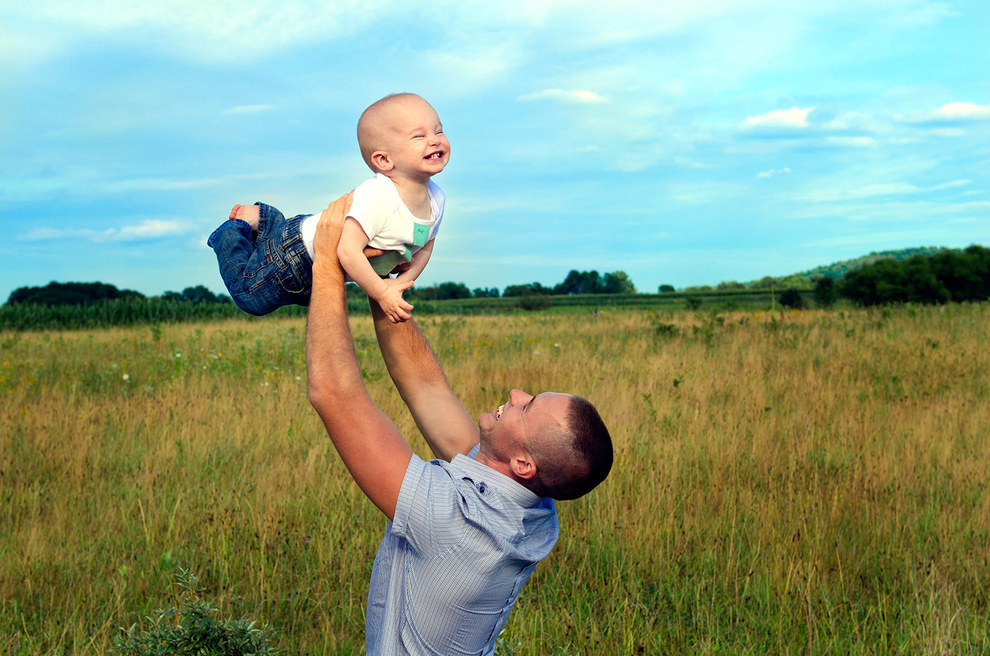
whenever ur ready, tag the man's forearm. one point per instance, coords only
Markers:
(420, 380)
(370, 446)
(331, 364)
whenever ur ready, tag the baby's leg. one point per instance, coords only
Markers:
(246, 213)
(241, 258)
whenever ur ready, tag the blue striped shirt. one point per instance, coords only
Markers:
(464, 540)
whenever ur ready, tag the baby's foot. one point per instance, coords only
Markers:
(246, 213)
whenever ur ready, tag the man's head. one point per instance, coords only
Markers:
(401, 135)
(554, 444)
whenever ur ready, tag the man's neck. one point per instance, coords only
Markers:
(491, 462)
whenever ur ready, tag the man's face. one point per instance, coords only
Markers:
(510, 425)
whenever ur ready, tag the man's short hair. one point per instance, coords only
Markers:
(573, 461)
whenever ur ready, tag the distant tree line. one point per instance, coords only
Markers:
(69, 293)
(928, 275)
(578, 282)
(85, 293)
(947, 276)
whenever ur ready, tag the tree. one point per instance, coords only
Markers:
(825, 292)
(485, 292)
(70, 293)
(792, 298)
(570, 285)
(532, 289)
(618, 282)
(582, 282)
(200, 294)
(666, 289)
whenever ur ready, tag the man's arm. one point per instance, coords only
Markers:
(417, 374)
(368, 442)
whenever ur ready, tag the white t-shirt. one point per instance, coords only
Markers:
(389, 224)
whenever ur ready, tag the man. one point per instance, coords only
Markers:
(465, 530)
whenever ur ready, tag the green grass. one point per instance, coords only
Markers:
(785, 482)
(155, 311)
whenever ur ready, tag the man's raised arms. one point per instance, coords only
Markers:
(368, 442)
(417, 374)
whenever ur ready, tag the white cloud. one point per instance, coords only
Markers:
(570, 97)
(220, 30)
(773, 172)
(962, 111)
(795, 118)
(949, 113)
(149, 229)
(885, 189)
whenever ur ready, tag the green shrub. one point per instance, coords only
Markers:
(194, 629)
(693, 302)
(534, 302)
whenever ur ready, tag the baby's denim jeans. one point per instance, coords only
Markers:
(264, 273)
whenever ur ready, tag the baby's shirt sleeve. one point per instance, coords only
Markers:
(370, 207)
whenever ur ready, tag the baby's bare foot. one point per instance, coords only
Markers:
(246, 213)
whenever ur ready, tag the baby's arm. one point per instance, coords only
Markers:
(418, 263)
(386, 292)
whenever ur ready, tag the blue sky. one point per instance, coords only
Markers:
(683, 143)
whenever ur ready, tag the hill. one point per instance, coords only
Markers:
(840, 269)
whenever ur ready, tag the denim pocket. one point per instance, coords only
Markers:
(296, 272)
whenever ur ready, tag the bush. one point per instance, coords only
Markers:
(791, 298)
(193, 629)
(538, 302)
(825, 291)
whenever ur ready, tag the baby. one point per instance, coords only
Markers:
(266, 260)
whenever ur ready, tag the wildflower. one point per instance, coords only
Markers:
(126, 377)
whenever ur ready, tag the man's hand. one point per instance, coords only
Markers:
(395, 307)
(368, 442)
(329, 228)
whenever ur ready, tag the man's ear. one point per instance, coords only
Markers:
(382, 161)
(523, 466)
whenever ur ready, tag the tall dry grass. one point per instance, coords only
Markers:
(787, 483)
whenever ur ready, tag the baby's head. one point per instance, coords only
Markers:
(401, 134)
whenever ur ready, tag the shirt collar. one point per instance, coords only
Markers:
(484, 474)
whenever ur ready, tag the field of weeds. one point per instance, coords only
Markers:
(785, 482)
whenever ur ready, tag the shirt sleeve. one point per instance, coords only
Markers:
(438, 200)
(433, 506)
(370, 207)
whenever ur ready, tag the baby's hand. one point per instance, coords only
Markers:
(393, 305)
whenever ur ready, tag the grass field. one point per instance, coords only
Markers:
(785, 483)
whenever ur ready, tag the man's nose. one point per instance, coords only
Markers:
(518, 397)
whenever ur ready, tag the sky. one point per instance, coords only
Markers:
(684, 143)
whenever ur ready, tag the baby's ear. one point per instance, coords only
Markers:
(382, 161)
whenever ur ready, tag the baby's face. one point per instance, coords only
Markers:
(417, 144)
